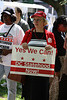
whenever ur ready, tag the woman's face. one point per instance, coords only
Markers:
(62, 28)
(7, 19)
(38, 22)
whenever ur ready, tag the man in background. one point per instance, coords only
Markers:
(24, 25)
(59, 30)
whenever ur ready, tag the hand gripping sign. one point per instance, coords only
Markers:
(35, 61)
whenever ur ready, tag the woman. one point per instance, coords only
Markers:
(36, 87)
(11, 34)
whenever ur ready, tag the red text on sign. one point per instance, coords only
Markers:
(20, 50)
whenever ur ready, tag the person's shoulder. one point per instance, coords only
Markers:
(48, 32)
(1, 26)
(17, 26)
(23, 21)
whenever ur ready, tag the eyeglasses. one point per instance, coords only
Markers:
(37, 20)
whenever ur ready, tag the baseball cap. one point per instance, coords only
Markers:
(39, 14)
(8, 11)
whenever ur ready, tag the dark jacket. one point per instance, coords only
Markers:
(24, 25)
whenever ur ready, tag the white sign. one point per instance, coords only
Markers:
(5, 43)
(34, 61)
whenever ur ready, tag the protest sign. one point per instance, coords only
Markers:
(35, 61)
(5, 42)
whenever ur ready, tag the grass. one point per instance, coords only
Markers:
(3, 91)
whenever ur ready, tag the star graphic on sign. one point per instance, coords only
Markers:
(33, 59)
(22, 58)
(43, 60)
(7, 39)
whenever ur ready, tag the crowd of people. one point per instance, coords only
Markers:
(18, 30)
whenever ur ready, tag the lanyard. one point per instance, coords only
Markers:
(5, 35)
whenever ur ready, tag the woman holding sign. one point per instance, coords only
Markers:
(10, 34)
(36, 87)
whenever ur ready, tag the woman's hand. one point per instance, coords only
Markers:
(48, 47)
(6, 52)
(25, 45)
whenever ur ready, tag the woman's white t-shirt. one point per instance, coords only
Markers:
(15, 35)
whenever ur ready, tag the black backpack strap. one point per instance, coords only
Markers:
(5, 35)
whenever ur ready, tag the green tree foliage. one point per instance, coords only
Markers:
(59, 5)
